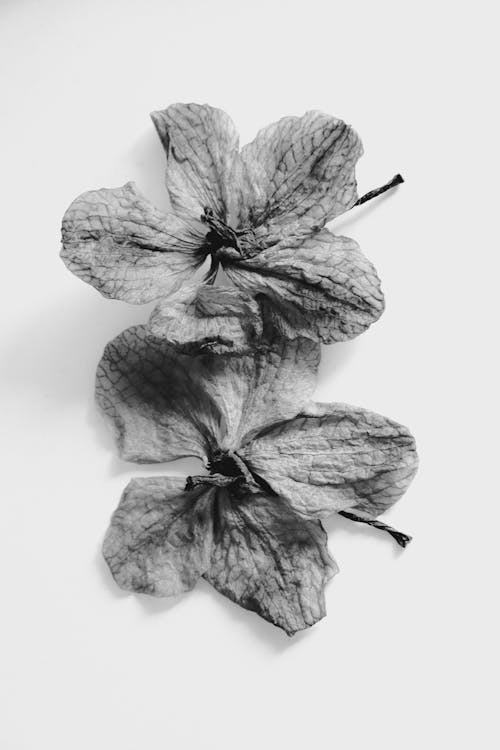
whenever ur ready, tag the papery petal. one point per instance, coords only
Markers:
(257, 390)
(201, 145)
(325, 289)
(268, 560)
(118, 242)
(165, 405)
(160, 537)
(300, 169)
(208, 318)
(152, 396)
(341, 458)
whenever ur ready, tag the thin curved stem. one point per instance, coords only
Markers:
(401, 538)
(396, 180)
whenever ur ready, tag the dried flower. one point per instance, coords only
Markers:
(278, 464)
(260, 214)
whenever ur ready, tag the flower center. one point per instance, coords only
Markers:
(226, 469)
(227, 463)
(220, 234)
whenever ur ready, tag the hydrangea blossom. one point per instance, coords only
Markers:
(259, 214)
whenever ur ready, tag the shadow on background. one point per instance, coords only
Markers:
(334, 358)
(55, 352)
(149, 164)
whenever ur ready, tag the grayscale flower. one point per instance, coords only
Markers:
(259, 213)
(278, 464)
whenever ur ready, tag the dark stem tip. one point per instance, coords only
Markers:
(396, 180)
(402, 539)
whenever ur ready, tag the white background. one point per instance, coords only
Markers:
(407, 654)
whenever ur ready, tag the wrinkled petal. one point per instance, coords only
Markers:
(342, 458)
(208, 319)
(270, 561)
(165, 405)
(299, 173)
(153, 399)
(122, 245)
(201, 145)
(159, 539)
(325, 289)
(256, 390)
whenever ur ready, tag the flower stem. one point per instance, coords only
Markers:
(401, 539)
(396, 180)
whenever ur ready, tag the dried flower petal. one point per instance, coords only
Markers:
(268, 560)
(300, 169)
(208, 319)
(164, 405)
(121, 244)
(341, 458)
(201, 144)
(253, 550)
(147, 392)
(325, 288)
(159, 539)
